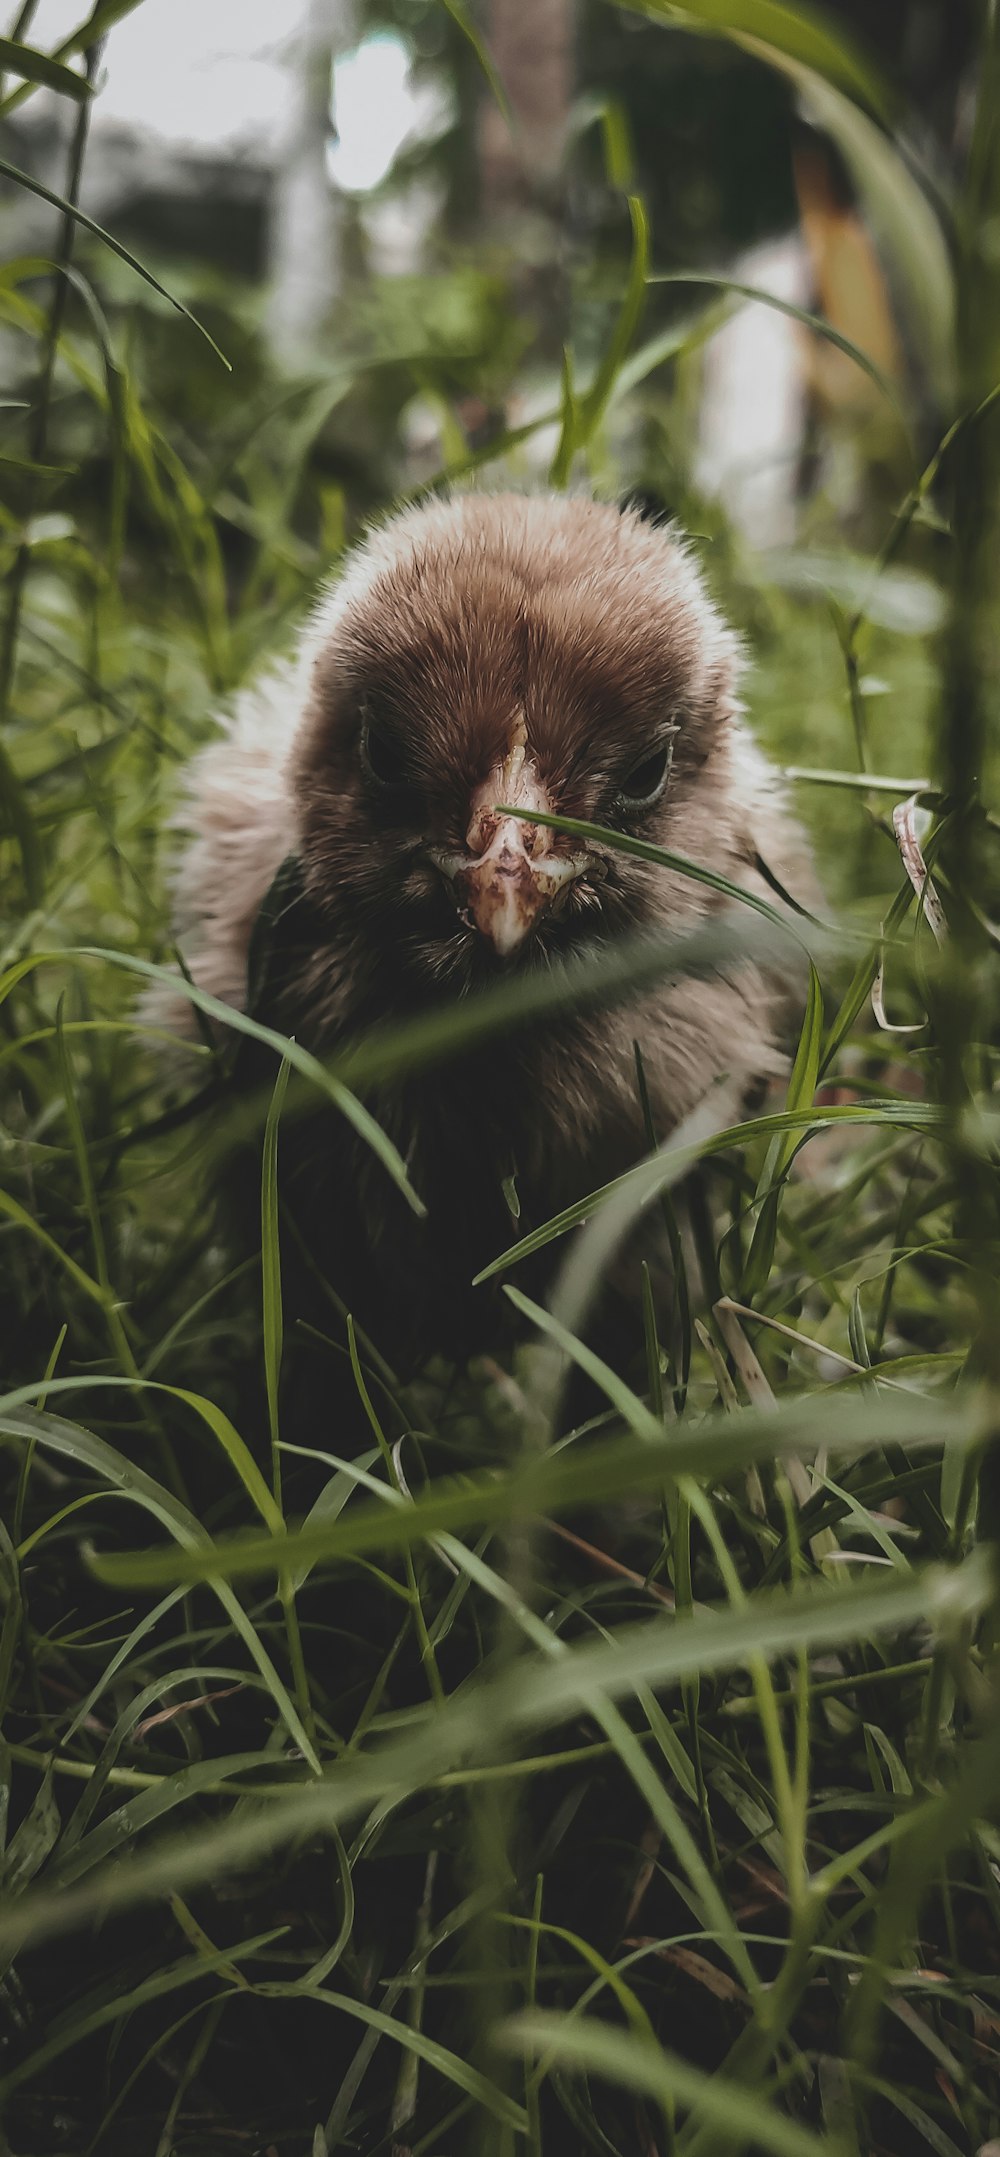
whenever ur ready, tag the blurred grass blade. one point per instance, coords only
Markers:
(582, 415)
(16, 810)
(462, 2073)
(632, 1410)
(272, 1316)
(805, 1069)
(189, 1971)
(867, 782)
(905, 223)
(79, 1856)
(670, 1164)
(783, 1148)
(85, 1447)
(561, 1479)
(388, 1051)
(462, 20)
(569, 423)
(102, 18)
(804, 35)
(40, 67)
(529, 1696)
(21, 1218)
(597, 396)
(591, 2047)
(816, 323)
(80, 217)
(97, 1454)
(309, 1067)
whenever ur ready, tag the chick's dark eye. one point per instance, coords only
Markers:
(646, 781)
(382, 758)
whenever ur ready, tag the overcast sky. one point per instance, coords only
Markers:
(212, 72)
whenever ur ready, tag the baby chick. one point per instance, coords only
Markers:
(482, 654)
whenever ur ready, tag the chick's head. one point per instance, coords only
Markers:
(498, 654)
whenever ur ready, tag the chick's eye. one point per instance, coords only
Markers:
(646, 781)
(382, 758)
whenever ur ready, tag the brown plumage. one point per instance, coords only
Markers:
(550, 653)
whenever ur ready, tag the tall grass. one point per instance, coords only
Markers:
(393, 1767)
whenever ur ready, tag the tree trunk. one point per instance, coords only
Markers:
(305, 224)
(521, 158)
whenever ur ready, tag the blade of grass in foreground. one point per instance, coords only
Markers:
(780, 32)
(782, 1150)
(72, 1441)
(188, 1971)
(908, 228)
(593, 1474)
(625, 842)
(529, 1695)
(603, 974)
(582, 415)
(40, 67)
(864, 782)
(816, 323)
(598, 975)
(272, 1315)
(652, 1787)
(309, 1067)
(102, 18)
(639, 2063)
(80, 217)
(648, 1178)
(460, 18)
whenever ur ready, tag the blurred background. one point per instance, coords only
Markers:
(394, 217)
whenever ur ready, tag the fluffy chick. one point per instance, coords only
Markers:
(550, 653)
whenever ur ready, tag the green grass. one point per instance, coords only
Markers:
(396, 1767)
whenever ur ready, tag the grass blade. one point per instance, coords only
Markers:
(80, 217)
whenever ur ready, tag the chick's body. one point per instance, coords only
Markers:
(547, 653)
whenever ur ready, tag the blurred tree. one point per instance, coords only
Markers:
(305, 223)
(522, 151)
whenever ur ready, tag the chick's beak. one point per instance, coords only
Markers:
(510, 872)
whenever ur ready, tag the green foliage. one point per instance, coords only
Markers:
(481, 1777)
